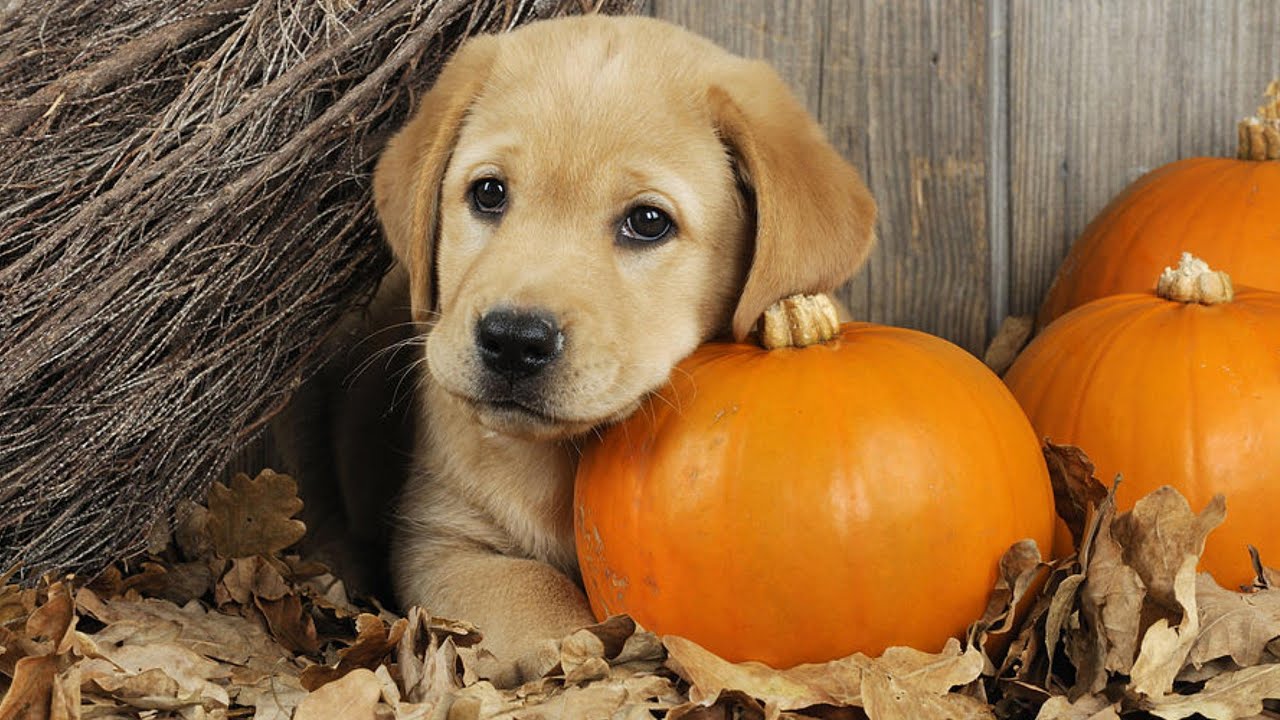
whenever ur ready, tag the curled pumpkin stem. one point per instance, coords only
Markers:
(1259, 137)
(799, 321)
(1193, 281)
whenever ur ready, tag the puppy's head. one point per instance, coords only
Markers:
(583, 201)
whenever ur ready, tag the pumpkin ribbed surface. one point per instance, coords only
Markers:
(1165, 392)
(797, 505)
(1222, 210)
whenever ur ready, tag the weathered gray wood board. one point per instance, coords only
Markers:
(898, 86)
(991, 132)
(1101, 92)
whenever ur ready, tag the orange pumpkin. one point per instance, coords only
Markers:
(1174, 387)
(1223, 210)
(800, 504)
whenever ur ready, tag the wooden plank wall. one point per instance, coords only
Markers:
(990, 132)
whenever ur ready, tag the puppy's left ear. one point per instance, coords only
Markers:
(815, 218)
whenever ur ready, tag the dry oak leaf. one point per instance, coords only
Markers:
(1089, 707)
(1075, 489)
(1020, 569)
(1159, 533)
(1110, 603)
(1229, 696)
(1232, 624)
(254, 517)
(900, 673)
(374, 641)
(30, 692)
(227, 638)
(273, 697)
(1165, 647)
(354, 696)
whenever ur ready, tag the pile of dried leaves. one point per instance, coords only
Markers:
(220, 622)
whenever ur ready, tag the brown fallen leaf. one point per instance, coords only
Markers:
(50, 626)
(290, 623)
(64, 703)
(1075, 488)
(1089, 707)
(1232, 624)
(838, 682)
(1159, 533)
(1020, 569)
(1010, 338)
(1165, 646)
(1230, 696)
(248, 578)
(254, 517)
(230, 639)
(31, 691)
(1110, 610)
(273, 697)
(375, 640)
(16, 602)
(353, 696)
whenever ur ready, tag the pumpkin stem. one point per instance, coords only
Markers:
(1195, 282)
(1260, 136)
(799, 321)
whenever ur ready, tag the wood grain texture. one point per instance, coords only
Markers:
(1101, 92)
(900, 89)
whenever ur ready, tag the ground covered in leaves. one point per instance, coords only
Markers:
(220, 621)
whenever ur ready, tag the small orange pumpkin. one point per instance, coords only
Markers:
(1174, 387)
(1223, 210)
(800, 504)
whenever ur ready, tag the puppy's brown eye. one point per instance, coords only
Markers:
(488, 195)
(647, 224)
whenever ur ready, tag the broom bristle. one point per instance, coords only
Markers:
(184, 211)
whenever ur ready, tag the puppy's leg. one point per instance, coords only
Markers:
(485, 534)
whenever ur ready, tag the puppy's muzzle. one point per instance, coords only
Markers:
(517, 344)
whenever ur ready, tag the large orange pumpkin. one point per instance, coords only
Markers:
(1223, 210)
(1175, 387)
(797, 505)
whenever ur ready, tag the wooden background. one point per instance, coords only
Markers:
(991, 132)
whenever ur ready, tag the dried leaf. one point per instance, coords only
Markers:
(30, 693)
(290, 623)
(254, 517)
(838, 682)
(64, 703)
(353, 696)
(1019, 569)
(248, 578)
(374, 641)
(1234, 625)
(1164, 647)
(1010, 338)
(1075, 489)
(51, 625)
(886, 697)
(1233, 695)
(1089, 707)
(1110, 610)
(428, 665)
(1159, 533)
(228, 638)
(273, 697)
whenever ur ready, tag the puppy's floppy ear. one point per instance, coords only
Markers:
(815, 218)
(406, 182)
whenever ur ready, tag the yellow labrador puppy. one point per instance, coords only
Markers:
(576, 206)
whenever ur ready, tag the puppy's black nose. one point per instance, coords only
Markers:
(518, 344)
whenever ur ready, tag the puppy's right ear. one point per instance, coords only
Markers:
(406, 182)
